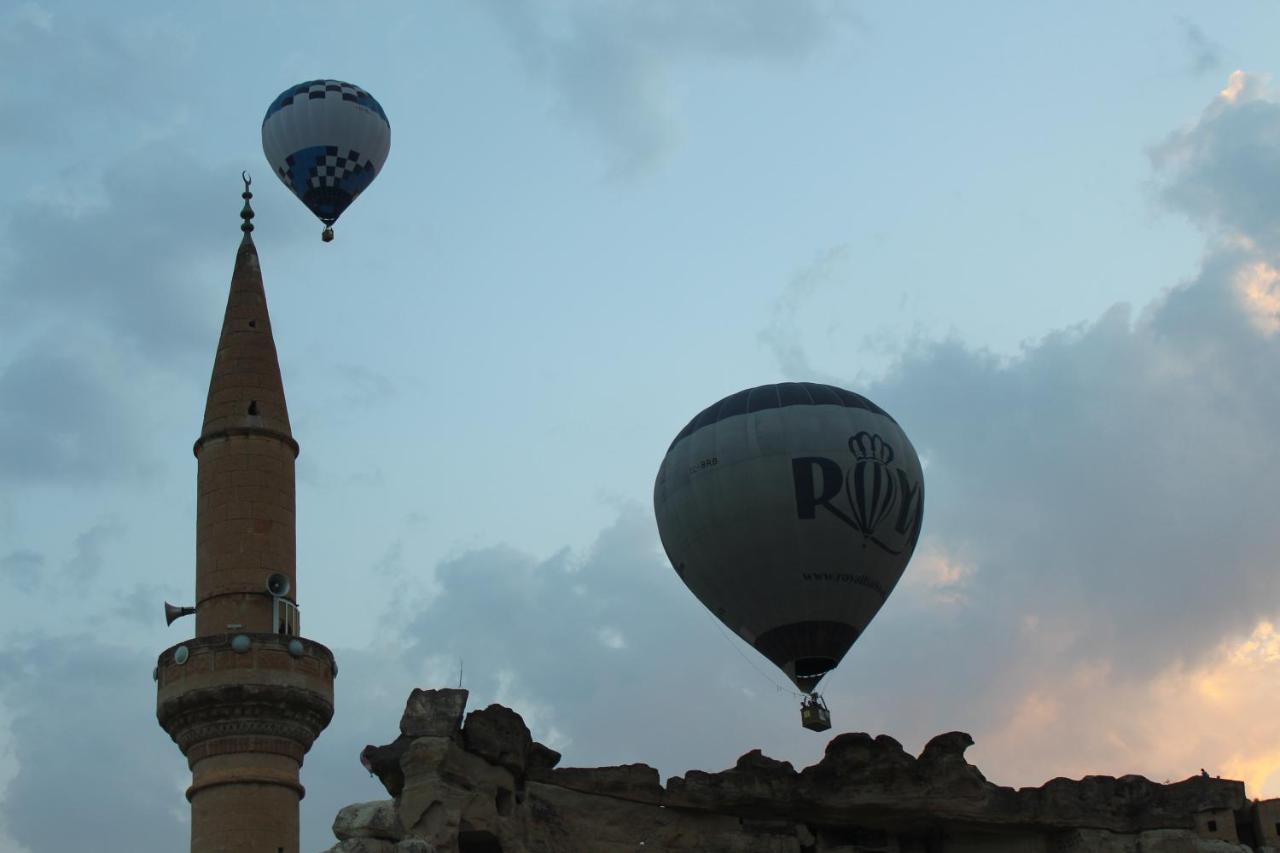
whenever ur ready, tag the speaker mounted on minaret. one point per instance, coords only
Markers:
(172, 612)
(284, 611)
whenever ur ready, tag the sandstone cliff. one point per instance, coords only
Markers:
(483, 785)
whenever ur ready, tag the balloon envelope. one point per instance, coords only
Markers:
(326, 140)
(791, 511)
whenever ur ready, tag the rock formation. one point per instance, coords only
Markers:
(483, 785)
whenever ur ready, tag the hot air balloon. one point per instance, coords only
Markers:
(326, 140)
(790, 511)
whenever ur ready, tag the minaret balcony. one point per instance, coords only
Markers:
(245, 692)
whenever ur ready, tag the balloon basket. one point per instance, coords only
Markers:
(814, 714)
(327, 235)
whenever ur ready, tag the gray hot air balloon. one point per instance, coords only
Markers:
(791, 511)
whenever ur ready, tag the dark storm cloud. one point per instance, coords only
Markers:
(612, 66)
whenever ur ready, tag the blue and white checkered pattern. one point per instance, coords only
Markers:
(326, 140)
(321, 89)
(324, 170)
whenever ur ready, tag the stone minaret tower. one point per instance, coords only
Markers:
(246, 697)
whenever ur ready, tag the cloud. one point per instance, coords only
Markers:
(141, 605)
(1092, 592)
(360, 386)
(134, 274)
(785, 335)
(1109, 467)
(589, 645)
(87, 560)
(67, 417)
(612, 67)
(79, 709)
(938, 576)
(1221, 171)
(109, 307)
(1185, 717)
(22, 569)
(1203, 55)
(99, 57)
(1099, 521)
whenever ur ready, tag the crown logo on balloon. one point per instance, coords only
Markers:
(871, 448)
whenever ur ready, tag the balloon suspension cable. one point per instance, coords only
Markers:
(733, 645)
(246, 213)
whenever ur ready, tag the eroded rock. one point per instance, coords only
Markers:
(375, 819)
(433, 713)
(363, 845)
(499, 735)
(632, 781)
(541, 757)
(485, 784)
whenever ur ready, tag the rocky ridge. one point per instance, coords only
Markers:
(481, 784)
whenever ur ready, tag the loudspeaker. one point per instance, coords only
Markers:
(278, 585)
(171, 612)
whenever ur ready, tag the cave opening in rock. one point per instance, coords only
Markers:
(478, 841)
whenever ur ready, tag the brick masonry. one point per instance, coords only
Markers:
(245, 698)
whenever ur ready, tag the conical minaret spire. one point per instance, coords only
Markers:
(245, 698)
(236, 553)
(246, 391)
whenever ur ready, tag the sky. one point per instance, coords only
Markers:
(1045, 238)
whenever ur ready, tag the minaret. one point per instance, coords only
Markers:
(247, 696)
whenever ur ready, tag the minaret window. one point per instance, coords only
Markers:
(253, 407)
(286, 617)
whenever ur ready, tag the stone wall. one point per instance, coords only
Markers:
(483, 785)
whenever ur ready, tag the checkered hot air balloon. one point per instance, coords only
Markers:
(790, 511)
(326, 140)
